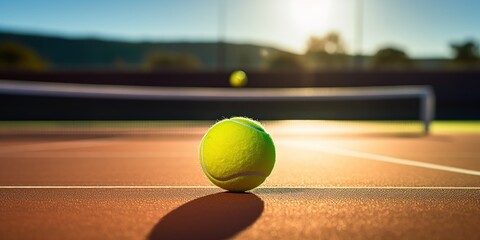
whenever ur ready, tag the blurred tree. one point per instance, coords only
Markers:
(330, 44)
(391, 58)
(161, 61)
(327, 52)
(16, 57)
(285, 62)
(466, 54)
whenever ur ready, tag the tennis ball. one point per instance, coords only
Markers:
(238, 79)
(237, 154)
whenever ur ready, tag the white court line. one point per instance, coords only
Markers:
(213, 187)
(106, 187)
(377, 157)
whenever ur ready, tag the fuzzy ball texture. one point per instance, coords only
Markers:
(238, 79)
(237, 154)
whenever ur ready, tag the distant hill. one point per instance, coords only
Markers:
(63, 53)
(88, 53)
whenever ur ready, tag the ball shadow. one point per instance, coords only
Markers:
(216, 216)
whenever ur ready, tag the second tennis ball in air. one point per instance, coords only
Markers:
(238, 79)
(237, 154)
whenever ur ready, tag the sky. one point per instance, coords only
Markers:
(423, 28)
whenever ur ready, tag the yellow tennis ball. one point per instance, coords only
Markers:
(238, 79)
(237, 154)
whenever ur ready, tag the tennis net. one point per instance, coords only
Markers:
(425, 94)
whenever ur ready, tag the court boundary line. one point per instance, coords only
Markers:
(265, 187)
(381, 158)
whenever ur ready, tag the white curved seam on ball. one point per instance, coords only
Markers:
(246, 125)
(202, 161)
(244, 174)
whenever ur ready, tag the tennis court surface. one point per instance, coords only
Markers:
(332, 179)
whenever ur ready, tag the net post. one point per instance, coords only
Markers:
(427, 109)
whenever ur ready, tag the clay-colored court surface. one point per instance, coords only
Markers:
(332, 180)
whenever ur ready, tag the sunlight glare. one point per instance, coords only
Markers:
(311, 16)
